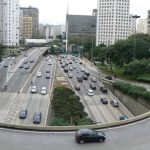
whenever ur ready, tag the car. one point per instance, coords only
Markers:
(32, 60)
(70, 62)
(114, 103)
(74, 67)
(47, 76)
(87, 73)
(123, 117)
(93, 79)
(90, 92)
(26, 66)
(82, 70)
(25, 55)
(37, 117)
(79, 78)
(21, 66)
(70, 75)
(63, 66)
(39, 74)
(70, 68)
(49, 63)
(77, 87)
(80, 63)
(60, 62)
(108, 77)
(103, 89)
(93, 86)
(47, 70)
(65, 70)
(6, 65)
(43, 91)
(104, 100)
(26, 61)
(66, 63)
(85, 77)
(23, 114)
(89, 135)
(33, 89)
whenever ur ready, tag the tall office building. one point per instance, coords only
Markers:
(27, 27)
(142, 26)
(34, 13)
(9, 22)
(113, 21)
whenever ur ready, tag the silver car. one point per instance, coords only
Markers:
(43, 91)
(33, 89)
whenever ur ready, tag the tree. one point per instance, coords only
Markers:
(59, 37)
(1, 51)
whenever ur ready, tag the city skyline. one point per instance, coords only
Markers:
(56, 10)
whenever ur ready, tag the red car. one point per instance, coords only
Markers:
(77, 87)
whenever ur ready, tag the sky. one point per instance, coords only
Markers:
(54, 11)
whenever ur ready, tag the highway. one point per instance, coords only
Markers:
(131, 137)
(97, 111)
(17, 96)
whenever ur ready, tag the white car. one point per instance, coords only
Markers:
(39, 74)
(90, 92)
(70, 75)
(33, 89)
(93, 79)
(43, 91)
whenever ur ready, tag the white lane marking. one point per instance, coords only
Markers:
(33, 77)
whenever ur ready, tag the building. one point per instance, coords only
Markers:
(27, 27)
(94, 13)
(113, 21)
(133, 25)
(41, 31)
(47, 31)
(9, 23)
(142, 26)
(81, 26)
(148, 22)
(34, 13)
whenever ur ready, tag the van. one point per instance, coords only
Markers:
(114, 103)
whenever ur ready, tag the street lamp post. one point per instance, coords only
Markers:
(134, 52)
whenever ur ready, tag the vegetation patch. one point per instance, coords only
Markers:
(68, 109)
(132, 90)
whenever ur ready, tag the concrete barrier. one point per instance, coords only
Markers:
(74, 128)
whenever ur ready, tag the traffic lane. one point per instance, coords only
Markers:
(3, 78)
(132, 137)
(37, 102)
(101, 114)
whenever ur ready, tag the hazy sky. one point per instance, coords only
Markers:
(54, 11)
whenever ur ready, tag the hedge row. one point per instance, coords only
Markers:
(132, 90)
(68, 109)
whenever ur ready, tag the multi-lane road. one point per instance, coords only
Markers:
(18, 95)
(97, 111)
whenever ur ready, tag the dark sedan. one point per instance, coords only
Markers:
(37, 118)
(23, 114)
(88, 135)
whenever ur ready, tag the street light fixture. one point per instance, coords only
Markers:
(136, 17)
(92, 45)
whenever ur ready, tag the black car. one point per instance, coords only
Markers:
(93, 86)
(26, 66)
(37, 118)
(32, 60)
(103, 89)
(47, 76)
(23, 114)
(65, 70)
(108, 77)
(21, 66)
(85, 77)
(87, 73)
(104, 100)
(88, 135)
(63, 66)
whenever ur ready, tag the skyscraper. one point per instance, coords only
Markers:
(113, 21)
(9, 22)
(34, 13)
